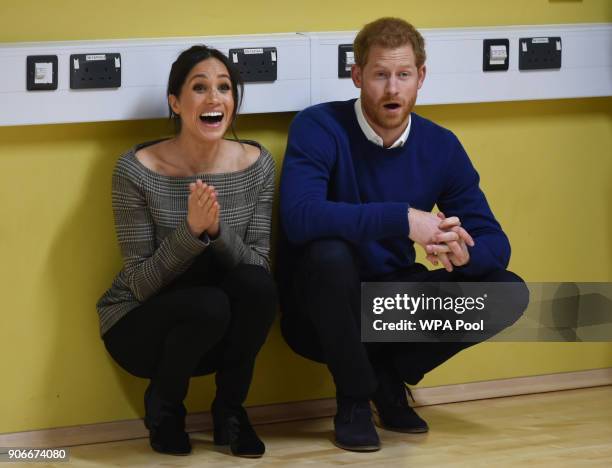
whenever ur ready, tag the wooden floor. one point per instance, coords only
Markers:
(569, 428)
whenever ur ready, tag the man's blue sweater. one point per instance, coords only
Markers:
(337, 184)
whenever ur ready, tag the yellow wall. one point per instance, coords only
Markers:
(545, 166)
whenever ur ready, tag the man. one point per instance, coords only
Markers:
(359, 181)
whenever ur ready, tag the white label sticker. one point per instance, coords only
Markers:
(524, 46)
(90, 58)
(539, 40)
(558, 45)
(253, 51)
(498, 55)
(43, 73)
(350, 59)
(498, 51)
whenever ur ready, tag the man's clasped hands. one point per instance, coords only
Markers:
(442, 238)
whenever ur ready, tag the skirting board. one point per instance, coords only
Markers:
(282, 412)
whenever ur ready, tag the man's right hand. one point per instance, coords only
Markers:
(428, 229)
(424, 226)
(450, 247)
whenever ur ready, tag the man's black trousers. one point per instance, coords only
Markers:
(321, 319)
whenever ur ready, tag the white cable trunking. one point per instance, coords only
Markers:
(454, 65)
(145, 67)
(307, 70)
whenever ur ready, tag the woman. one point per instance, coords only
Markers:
(195, 296)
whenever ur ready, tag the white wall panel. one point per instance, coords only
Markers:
(145, 67)
(454, 65)
(307, 72)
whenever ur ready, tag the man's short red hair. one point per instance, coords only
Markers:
(389, 33)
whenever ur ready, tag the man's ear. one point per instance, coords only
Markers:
(422, 72)
(356, 75)
(174, 104)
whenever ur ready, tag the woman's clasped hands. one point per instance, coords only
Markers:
(202, 209)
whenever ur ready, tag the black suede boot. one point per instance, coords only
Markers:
(391, 402)
(166, 424)
(232, 427)
(353, 426)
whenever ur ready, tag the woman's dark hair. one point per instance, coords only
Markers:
(184, 64)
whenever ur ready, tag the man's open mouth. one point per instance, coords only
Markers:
(392, 105)
(211, 117)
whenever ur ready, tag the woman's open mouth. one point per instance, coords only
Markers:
(211, 118)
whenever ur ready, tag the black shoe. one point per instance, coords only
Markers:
(232, 427)
(166, 424)
(394, 412)
(353, 426)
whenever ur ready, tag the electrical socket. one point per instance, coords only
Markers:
(539, 53)
(346, 59)
(91, 71)
(41, 72)
(255, 64)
